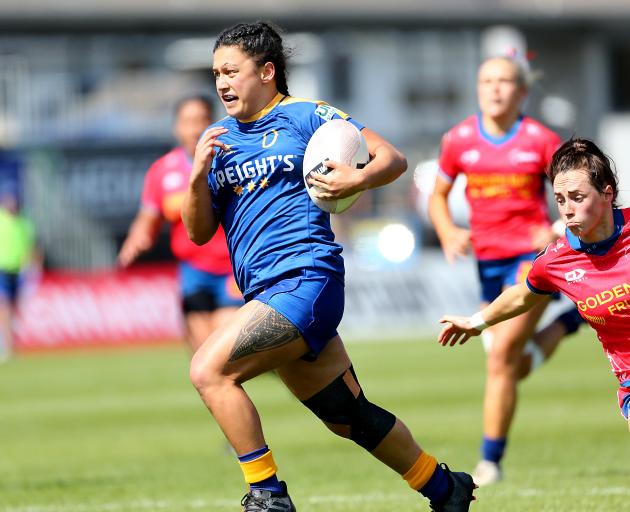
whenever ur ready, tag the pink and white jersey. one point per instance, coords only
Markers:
(505, 182)
(164, 189)
(597, 280)
(596, 277)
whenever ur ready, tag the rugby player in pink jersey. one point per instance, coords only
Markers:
(503, 155)
(590, 264)
(208, 289)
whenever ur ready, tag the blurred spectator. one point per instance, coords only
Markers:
(17, 247)
(209, 292)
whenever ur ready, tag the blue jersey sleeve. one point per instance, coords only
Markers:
(316, 114)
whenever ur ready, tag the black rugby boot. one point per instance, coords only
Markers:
(258, 500)
(460, 494)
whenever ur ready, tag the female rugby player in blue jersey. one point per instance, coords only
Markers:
(247, 176)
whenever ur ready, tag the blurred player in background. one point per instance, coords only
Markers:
(18, 251)
(247, 174)
(590, 264)
(209, 292)
(504, 155)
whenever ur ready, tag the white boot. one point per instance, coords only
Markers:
(487, 473)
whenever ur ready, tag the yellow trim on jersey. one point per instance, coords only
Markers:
(291, 99)
(341, 113)
(267, 108)
(259, 469)
(288, 100)
(421, 471)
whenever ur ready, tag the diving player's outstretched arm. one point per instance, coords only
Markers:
(197, 213)
(512, 302)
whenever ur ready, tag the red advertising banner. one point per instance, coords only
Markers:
(112, 307)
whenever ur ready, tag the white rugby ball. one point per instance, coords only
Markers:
(340, 141)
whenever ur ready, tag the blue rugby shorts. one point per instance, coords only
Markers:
(496, 275)
(312, 301)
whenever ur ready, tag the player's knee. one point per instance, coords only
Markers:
(502, 359)
(197, 375)
(343, 408)
(203, 375)
(371, 424)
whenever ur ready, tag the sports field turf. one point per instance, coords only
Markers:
(123, 430)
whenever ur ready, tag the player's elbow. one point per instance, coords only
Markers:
(197, 234)
(399, 162)
(199, 238)
(199, 230)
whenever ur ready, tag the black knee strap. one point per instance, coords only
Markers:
(369, 423)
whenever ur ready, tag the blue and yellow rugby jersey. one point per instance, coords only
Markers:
(258, 191)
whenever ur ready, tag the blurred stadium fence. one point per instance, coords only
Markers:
(141, 304)
(82, 198)
(111, 307)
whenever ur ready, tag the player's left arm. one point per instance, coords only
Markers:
(142, 235)
(512, 302)
(386, 164)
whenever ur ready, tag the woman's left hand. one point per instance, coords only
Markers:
(458, 329)
(342, 181)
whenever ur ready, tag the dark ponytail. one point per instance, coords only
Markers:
(584, 154)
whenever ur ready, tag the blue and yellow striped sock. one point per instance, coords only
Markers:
(259, 470)
(428, 478)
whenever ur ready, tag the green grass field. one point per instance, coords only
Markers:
(123, 430)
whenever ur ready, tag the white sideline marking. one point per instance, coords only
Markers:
(223, 504)
(609, 491)
(595, 491)
(228, 504)
(525, 493)
(143, 504)
(355, 498)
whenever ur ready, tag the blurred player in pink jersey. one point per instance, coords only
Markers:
(503, 155)
(209, 292)
(590, 264)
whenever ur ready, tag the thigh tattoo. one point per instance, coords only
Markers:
(265, 330)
